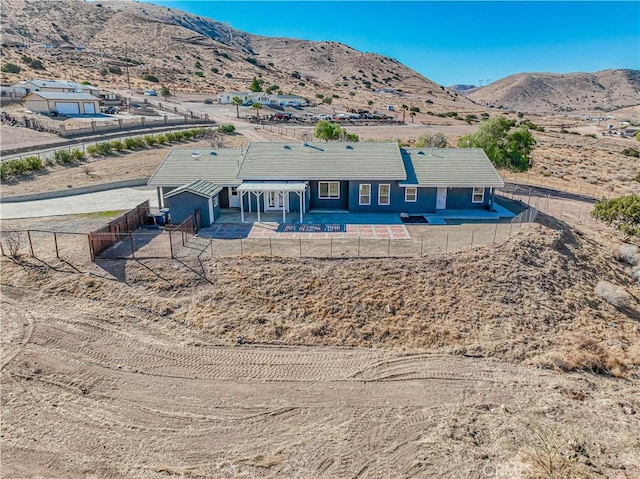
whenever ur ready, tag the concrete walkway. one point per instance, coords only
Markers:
(120, 199)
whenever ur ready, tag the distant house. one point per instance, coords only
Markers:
(353, 177)
(291, 100)
(58, 86)
(62, 103)
(226, 98)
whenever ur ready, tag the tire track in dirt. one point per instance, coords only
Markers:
(17, 330)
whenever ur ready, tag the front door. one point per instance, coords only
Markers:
(234, 197)
(441, 199)
(273, 201)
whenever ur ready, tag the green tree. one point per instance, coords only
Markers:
(623, 213)
(237, 101)
(165, 92)
(326, 131)
(504, 148)
(638, 135)
(412, 114)
(10, 68)
(257, 106)
(256, 85)
(404, 109)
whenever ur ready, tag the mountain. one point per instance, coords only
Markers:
(552, 92)
(462, 88)
(98, 41)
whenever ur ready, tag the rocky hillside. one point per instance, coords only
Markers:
(190, 52)
(551, 92)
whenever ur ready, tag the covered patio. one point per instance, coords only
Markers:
(275, 194)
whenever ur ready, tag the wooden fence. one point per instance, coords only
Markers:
(105, 237)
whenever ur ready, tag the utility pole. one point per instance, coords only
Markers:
(126, 59)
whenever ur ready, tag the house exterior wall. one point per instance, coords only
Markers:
(460, 198)
(183, 204)
(38, 105)
(315, 203)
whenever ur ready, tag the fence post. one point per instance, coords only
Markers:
(92, 253)
(55, 241)
(211, 244)
(472, 233)
(133, 256)
(529, 199)
(389, 247)
(495, 233)
(170, 244)
(421, 245)
(30, 244)
(331, 247)
(182, 235)
(510, 227)
(270, 248)
(358, 246)
(446, 245)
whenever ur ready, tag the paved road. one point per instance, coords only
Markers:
(112, 200)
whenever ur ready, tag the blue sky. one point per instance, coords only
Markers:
(453, 42)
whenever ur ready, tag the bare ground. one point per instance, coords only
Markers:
(450, 366)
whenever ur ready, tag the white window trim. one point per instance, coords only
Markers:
(328, 197)
(415, 194)
(473, 195)
(360, 194)
(380, 194)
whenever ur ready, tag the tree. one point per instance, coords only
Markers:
(257, 106)
(214, 137)
(504, 148)
(10, 68)
(623, 213)
(428, 141)
(165, 92)
(237, 101)
(326, 131)
(412, 114)
(404, 111)
(256, 85)
(638, 135)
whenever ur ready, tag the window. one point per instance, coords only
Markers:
(384, 194)
(234, 191)
(478, 195)
(329, 190)
(410, 195)
(365, 194)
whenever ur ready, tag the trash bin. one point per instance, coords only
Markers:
(160, 219)
(165, 213)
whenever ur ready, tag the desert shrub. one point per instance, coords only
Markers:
(117, 145)
(178, 57)
(33, 163)
(615, 295)
(170, 136)
(228, 75)
(10, 68)
(92, 150)
(226, 129)
(104, 148)
(133, 143)
(11, 168)
(327, 100)
(214, 70)
(623, 213)
(62, 157)
(627, 253)
(77, 154)
(631, 152)
(114, 69)
(151, 78)
(161, 139)
(199, 74)
(150, 140)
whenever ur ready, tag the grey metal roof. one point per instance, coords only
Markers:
(322, 161)
(52, 83)
(56, 95)
(273, 186)
(217, 166)
(198, 187)
(449, 167)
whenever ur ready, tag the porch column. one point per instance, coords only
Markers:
(242, 206)
(160, 198)
(258, 204)
(491, 199)
(300, 196)
(284, 208)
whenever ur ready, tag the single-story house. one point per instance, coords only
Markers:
(200, 196)
(291, 100)
(353, 177)
(248, 98)
(62, 103)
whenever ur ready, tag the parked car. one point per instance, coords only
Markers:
(284, 115)
(208, 101)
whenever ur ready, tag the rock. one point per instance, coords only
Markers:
(391, 310)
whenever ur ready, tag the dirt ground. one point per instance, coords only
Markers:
(471, 365)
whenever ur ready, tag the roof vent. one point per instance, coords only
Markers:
(286, 147)
(421, 153)
(213, 153)
(305, 144)
(349, 147)
(195, 154)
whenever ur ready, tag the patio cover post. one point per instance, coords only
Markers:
(284, 209)
(242, 206)
(258, 204)
(300, 193)
(160, 199)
